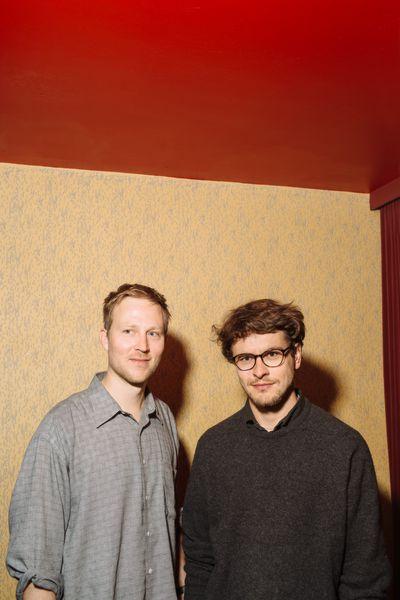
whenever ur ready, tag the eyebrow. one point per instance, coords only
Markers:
(135, 325)
(264, 351)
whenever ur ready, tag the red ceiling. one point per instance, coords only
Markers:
(302, 93)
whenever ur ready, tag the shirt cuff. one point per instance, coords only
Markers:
(41, 582)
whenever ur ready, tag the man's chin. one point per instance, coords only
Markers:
(268, 404)
(135, 379)
(271, 403)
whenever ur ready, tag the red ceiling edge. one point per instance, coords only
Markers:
(385, 194)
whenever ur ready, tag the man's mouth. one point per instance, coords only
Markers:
(139, 360)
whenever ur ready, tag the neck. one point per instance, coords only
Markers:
(129, 396)
(269, 416)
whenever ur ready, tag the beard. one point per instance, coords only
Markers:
(270, 400)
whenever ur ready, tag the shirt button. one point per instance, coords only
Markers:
(148, 533)
(144, 461)
(146, 497)
(150, 571)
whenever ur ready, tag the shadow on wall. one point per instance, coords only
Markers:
(318, 384)
(168, 384)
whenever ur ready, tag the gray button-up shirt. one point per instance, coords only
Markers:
(93, 511)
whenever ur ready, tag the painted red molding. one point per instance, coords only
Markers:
(385, 194)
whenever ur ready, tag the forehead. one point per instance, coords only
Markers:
(257, 343)
(138, 310)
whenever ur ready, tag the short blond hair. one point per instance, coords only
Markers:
(134, 290)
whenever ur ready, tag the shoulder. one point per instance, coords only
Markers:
(58, 423)
(166, 416)
(325, 425)
(164, 410)
(169, 426)
(223, 432)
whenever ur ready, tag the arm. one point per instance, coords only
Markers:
(366, 571)
(39, 514)
(196, 540)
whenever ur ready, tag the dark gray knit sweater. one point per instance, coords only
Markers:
(287, 515)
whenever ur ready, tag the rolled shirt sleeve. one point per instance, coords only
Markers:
(39, 514)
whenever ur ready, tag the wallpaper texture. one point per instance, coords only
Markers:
(69, 237)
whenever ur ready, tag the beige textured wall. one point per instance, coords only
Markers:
(69, 237)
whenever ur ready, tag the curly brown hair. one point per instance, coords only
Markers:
(260, 316)
(134, 290)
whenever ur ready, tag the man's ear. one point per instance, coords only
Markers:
(297, 356)
(104, 339)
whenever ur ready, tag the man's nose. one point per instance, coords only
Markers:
(142, 342)
(260, 369)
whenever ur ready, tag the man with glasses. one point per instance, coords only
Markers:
(282, 502)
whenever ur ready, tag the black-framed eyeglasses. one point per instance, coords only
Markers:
(273, 357)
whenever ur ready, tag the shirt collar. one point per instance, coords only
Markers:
(106, 408)
(249, 418)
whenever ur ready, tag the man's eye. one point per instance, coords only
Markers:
(244, 358)
(127, 331)
(154, 334)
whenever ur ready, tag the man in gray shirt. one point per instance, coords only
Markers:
(93, 511)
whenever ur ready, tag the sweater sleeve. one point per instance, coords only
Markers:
(197, 544)
(39, 513)
(366, 570)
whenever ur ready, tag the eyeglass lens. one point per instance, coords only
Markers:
(270, 358)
